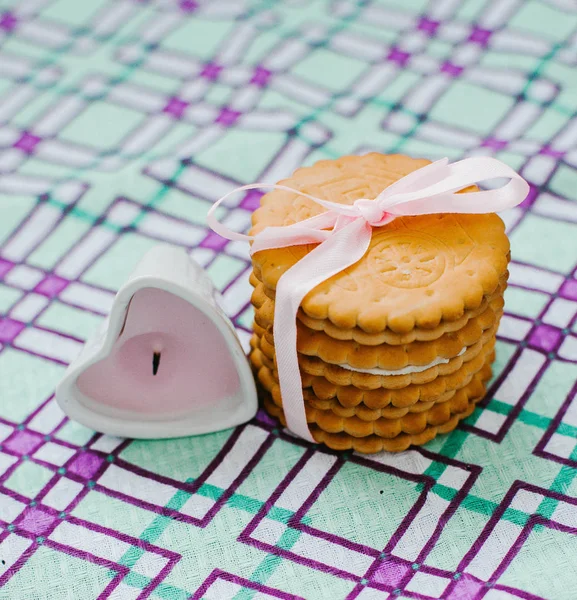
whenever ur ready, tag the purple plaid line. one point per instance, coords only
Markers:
(251, 200)
(27, 142)
(401, 571)
(552, 428)
(43, 518)
(31, 416)
(242, 582)
(213, 241)
(456, 502)
(10, 329)
(295, 520)
(451, 69)
(531, 197)
(22, 442)
(398, 56)
(190, 488)
(261, 76)
(5, 267)
(494, 144)
(463, 587)
(175, 107)
(188, 6)
(37, 503)
(227, 116)
(378, 570)
(121, 570)
(435, 30)
(18, 327)
(51, 286)
(149, 506)
(569, 290)
(8, 21)
(480, 36)
(428, 26)
(171, 556)
(33, 517)
(249, 467)
(245, 536)
(499, 436)
(87, 464)
(512, 340)
(211, 71)
(427, 483)
(22, 427)
(543, 338)
(548, 151)
(534, 288)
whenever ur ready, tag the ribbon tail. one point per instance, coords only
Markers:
(440, 196)
(344, 248)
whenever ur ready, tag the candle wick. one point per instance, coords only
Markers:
(155, 362)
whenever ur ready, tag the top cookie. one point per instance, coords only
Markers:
(418, 272)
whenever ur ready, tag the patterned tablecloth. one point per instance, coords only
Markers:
(121, 121)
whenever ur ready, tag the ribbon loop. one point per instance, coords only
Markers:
(343, 234)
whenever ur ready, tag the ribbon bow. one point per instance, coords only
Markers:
(343, 234)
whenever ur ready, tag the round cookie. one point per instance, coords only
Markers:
(373, 443)
(263, 301)
(413, 423)
(370, 404)
(383, 356)
(266, 378)
(366, 381)
(418, 272)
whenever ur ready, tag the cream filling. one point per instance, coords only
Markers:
(405, 370)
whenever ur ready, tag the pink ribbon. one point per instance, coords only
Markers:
(343, 234)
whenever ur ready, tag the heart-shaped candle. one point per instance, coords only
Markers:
(166, 363)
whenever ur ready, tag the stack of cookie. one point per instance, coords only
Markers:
(398, 347)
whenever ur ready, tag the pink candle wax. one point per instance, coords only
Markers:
(169, 359)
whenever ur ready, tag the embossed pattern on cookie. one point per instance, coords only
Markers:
(419, 271)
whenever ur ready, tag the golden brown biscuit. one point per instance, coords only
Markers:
(366, 381)
(384, 356)
(373, 443)
(370, 405)
(362, 411)
(413, 423)
(264, 305)
(419, 271)
(267, 379)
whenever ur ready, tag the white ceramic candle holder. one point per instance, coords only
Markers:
(166, 363)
